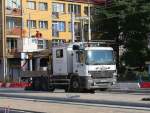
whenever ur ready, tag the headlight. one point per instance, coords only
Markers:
(89, 74)
(90, 81)
(115, 74)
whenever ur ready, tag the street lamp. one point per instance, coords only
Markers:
(89, 20)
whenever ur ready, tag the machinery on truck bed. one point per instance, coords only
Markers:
(76, 67)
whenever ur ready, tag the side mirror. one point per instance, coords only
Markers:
(82, 64)
(75, 47)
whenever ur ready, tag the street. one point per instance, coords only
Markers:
(59, 102)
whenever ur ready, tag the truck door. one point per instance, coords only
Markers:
(79, 63)
(59, 61)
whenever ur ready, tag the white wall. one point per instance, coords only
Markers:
(28, 45)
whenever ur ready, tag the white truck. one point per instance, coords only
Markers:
(79, 67)
(83, 66)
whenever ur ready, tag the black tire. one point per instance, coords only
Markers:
(43, 84)
(74, 85)
(66, 89)
(51, 89)
(92, 91)
(36, 84)
(103, 89)
(44, 87)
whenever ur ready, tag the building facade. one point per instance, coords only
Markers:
(41, 19)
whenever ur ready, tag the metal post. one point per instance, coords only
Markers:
(31, 65)
(89, 20)
(38, 64)
(4, 41)
(82, 29)
(72, 24)
(29, 25)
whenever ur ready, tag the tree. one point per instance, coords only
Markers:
(127, 22)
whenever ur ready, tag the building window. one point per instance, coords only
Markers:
(31, 23)
(11, 45)
(32, 5)
(58, 7)
(76, 26)
(13, 23)
(43, 24)
(13, 4)
(59, 26)
(10, 24)
(76, 9)
(59, 53)
(40, 44)
(86, 10)
(43, 6)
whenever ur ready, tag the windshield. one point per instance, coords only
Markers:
(98, 57)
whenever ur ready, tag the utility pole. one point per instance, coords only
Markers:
(82, 29)
(4, 41)
(29, 25)
(89, 20)
(72, 24)
(30, 59)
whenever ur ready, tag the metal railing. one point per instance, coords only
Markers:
(13, 11)
(17, 31)
(12, 52)
(55, 33)
(55, 15)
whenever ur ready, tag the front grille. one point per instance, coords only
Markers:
(101, 74)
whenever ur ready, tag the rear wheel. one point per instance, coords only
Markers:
(92, 91)
(36, 84)
(103, 89)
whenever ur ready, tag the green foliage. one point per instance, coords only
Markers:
(131, 18)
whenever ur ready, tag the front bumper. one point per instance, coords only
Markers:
(89, 83)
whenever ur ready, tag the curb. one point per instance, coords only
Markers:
(144, 85)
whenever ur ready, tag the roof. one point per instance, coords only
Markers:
(98, 2)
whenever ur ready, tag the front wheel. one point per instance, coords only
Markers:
(51, 88)
(75, 85)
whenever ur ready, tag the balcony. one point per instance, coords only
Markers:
(31, 45)
(12, 53)
(13, 12)
(16, 32)
(55, 33)
(55, 15)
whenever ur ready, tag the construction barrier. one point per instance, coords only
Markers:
(14, 85)
(145, 85)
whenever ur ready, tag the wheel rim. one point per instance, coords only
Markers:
(75, 84)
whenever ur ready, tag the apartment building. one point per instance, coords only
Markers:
(24, 20)
(61, 19)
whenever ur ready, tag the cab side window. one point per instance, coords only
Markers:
(80, 57)
(59, 53)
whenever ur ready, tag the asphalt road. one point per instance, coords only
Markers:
(111, 101)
